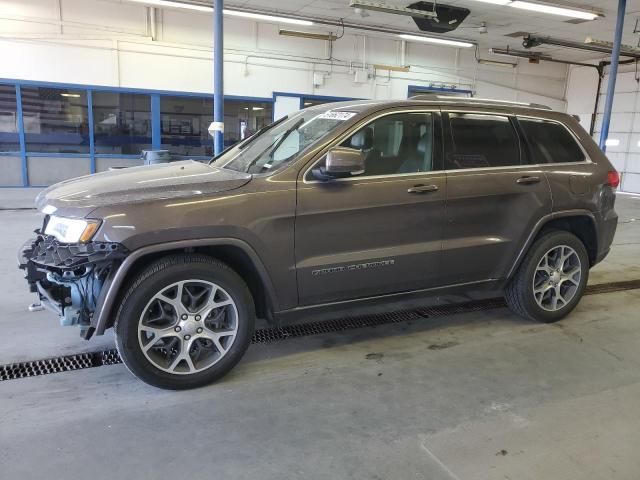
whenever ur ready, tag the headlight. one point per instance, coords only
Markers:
(71, 230)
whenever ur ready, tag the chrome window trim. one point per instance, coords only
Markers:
(517, 116)
(343, 137)
(357, 127)
(529, 166)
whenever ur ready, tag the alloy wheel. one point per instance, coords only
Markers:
(188, 326)
(557, 278)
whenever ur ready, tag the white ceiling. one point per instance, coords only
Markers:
(500, 21)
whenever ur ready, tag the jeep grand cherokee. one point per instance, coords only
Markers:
(337, 208)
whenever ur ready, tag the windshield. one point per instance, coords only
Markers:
(282, 142)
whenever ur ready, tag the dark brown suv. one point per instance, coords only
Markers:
(337, 208)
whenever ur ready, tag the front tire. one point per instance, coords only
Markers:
(184, 322)
(551, 279)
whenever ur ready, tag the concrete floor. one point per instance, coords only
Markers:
(506, 398)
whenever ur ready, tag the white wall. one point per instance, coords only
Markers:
(103, 42)
(625, 117)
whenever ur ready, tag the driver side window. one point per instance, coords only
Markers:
(396, 144)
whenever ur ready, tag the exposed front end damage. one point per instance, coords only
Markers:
(68, 278)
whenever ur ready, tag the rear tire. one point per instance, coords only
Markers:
(184, 322)
(551, 279)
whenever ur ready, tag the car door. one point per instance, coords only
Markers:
(568, 169)
(494, 198)
(378, 232)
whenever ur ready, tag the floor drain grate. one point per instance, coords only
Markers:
(59, 364)
(268, 335)
(612, 287)
(474, 306)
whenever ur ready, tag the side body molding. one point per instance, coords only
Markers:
(115, 282)
(539, 225)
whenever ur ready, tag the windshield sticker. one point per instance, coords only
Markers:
(341, 116)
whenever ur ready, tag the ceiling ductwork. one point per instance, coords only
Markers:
(447, 17)
(536, 57)
(305, 20)
(531, 41)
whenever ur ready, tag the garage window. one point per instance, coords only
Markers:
(9, 141)
(184, 125)
(121, 123)
(550, 142)
(480, 140)
(243, 119)
(55, 120)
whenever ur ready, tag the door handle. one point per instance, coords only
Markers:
(422, 189)
(528, 180)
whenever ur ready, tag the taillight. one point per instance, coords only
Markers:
(613, 179)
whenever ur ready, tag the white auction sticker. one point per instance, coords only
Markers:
(332, 115)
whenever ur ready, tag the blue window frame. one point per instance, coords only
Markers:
(46, 119)
(56, 120)
(244, 118)
(121, 123)
(184, 122)
(9, 139)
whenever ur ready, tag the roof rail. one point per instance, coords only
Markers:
(434, 97)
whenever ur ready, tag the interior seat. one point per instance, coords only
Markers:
(420, 159)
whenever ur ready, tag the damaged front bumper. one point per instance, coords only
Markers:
(68, 278)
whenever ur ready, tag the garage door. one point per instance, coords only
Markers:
(623, 145)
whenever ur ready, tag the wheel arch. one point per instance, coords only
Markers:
(238, 254)
(581, 223)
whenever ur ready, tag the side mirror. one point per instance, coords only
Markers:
(340, 162)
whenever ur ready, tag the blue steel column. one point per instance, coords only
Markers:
(21, 137)
(156, 128)
(92, 145)
(613, 73)
(218, 76)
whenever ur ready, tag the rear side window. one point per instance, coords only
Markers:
(482, 140)
(550, 142)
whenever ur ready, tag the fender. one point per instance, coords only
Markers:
(115, 281)
(540, 225)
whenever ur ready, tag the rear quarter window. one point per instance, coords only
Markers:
(550, 142)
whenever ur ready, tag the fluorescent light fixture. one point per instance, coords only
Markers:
(70, 95)
(496, 2)
(612, 142)
(170, 4)
(554, 10)
(496, 63)
(257, 109)
(226, 11)
(383, 7)
(604, 43)
(543, 7)
(268, 18)
(313, 36)
(439, 41)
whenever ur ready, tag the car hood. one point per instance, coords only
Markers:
(182, 179)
